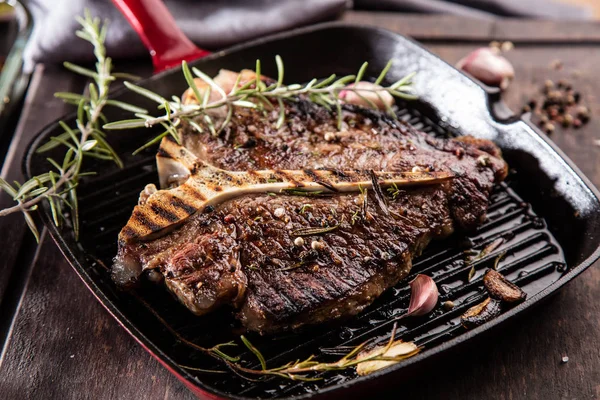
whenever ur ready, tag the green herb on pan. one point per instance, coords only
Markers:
(81, 140)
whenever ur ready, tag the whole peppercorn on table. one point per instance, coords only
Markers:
(59, 343)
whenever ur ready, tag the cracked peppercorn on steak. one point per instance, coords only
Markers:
(305, 223)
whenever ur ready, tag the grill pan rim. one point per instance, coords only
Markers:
(203, 390)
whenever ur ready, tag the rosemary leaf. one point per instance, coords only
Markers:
(257, 78)
(243, 103)
(31, 225)
(75, 210)
(340, 120)
(88, 145)
(384, 72)
(194, 125)
(52, 144)
(126, 106)
(402, 82)
(36, 192)
(124, 75)
(256, 352)
(404, 95)
(70, 96)
(280, 70)
(54, 163)
(7, 188)
(226, 120)
(361, 72)
(126, 124)
(55, 210)
(93, 93)
(80, 70)
(145, 92)
(281, 118)
(343, 81)
(206, 96)
(325, 82)
(70, 132)
(190, 80)
(100, 138)
(151, 142)
(81, 110)
(210, 82)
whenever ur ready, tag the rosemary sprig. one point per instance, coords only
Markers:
(296, 370)
(304, 370)
(254, 94)
(85, 139)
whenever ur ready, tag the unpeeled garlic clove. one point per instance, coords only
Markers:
(398, 350)
(489, 66)
(367, 94)
(423, 296)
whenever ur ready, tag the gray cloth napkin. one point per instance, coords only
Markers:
(214, 24)
(211, 24)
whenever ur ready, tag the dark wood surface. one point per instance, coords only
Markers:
(61, 344)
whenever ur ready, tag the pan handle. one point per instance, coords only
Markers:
(155, 25)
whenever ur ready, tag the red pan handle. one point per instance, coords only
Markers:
(166, 43)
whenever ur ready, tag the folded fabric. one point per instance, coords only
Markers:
(210, 24)
(215, 24)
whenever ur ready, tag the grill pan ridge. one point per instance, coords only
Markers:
(540, 255)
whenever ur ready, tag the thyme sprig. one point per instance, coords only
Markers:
(253, 94)
(84, 140)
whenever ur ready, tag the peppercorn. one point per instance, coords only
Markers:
(583, 113)
(567, 120)
(549, 128)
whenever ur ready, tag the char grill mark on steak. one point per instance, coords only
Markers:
(369, 140)
(244, 252)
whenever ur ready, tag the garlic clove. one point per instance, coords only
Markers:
(398, 350)
(367, 94)
(489, 66)
(423, 297)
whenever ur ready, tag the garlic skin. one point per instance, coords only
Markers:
(381, 98)
(489, 66)
(423, 297)
(398, 350)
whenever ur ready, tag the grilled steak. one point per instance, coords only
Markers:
(371, 196)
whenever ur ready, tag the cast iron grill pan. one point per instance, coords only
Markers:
(533, 260)
(544, 245)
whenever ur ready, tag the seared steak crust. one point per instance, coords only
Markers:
(251, 253)
(368, 140)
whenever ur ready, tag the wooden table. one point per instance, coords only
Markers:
(60, 343)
